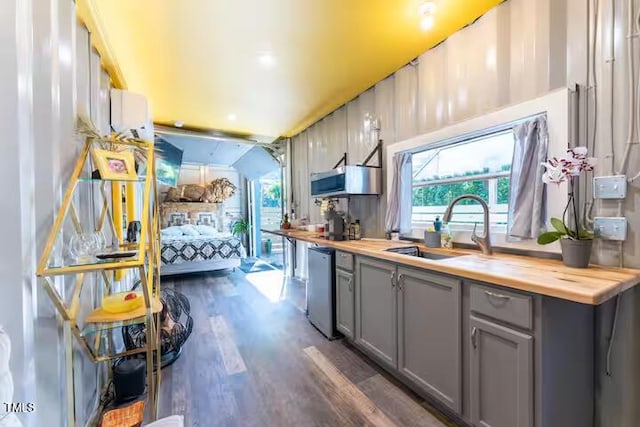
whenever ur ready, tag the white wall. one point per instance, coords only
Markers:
(300, 175)
(92, 102)
(17, 227)
(617, 395)
(201, 174)
(49, 73)
(54, 110)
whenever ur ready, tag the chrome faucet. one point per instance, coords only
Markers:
(483, 241)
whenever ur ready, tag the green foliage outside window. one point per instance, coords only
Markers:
(442, 194)
(271, 195)
(274, 191)
(503, 190)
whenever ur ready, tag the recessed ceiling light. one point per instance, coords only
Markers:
(426, 11)
(427, 22)
(178, 123)
(232, 117)
(266, 59)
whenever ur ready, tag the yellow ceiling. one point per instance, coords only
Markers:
(198, 61)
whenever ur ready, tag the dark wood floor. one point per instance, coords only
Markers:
(254, 360)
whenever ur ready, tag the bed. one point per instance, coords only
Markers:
(197, 248)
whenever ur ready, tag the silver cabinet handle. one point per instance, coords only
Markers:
(350, 283)
(400, 282)
(474, 332)
(499, 296)
(393, 279)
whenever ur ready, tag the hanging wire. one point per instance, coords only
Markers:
(592, 86)
(613, 335)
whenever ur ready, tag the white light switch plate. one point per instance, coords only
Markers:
(610, 228)
(610, 187)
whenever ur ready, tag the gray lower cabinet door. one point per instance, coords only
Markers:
(430, 334)
(376, 310)
(345, 303)
(501, 375)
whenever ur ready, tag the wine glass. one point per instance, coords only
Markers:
(101, 241)
(83, 245)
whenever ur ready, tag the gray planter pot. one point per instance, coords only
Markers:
(432, 239)
(576, 253)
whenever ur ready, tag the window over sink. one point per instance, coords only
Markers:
(477, 165)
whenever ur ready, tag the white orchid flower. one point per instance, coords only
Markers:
(553, 174)
(579, 152)
(563, 169)
(574, 169)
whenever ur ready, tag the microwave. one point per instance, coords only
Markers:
(347, 181)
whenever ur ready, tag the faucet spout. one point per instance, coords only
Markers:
(484, 241)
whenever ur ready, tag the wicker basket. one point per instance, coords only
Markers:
(128, 416)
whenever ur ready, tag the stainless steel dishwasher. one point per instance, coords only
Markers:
(321, 294)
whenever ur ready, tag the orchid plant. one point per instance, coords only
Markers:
(567, 169)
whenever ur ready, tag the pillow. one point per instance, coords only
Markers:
(189, 230)
(178, 219)
(206, 230)
(171, 232)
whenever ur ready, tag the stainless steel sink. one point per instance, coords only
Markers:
(429, 255)
(415, 251)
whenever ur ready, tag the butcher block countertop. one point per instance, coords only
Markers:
(593, 285)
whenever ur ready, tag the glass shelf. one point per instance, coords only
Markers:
(91, 329)
(89, 179)
(99, 316)
(88, 207)
(93, 263)
(103, 336)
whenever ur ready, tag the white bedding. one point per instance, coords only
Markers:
(181, 249)
(183, 238)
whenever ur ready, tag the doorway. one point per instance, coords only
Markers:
(267, 209)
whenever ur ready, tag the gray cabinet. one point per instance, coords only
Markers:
(344, 260)
(345, 303)
(494, 357)
(501, 375)
(429, 333)
(375, 309)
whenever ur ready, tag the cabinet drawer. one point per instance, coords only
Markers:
(509, 307)
(344, 261)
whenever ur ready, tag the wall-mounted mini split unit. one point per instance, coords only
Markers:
(131, 115)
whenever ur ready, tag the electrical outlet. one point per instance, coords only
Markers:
(610, 187)
(610, 228)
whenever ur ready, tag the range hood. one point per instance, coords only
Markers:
(347, 181)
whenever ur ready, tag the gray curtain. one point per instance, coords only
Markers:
(527, 206)
(398, 215)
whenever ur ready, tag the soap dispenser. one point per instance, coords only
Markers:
(437, 224)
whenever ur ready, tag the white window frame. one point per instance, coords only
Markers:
(491, 177)
(494, 207)
(556, 106)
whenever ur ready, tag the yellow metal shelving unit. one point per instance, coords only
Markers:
(64, 276)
